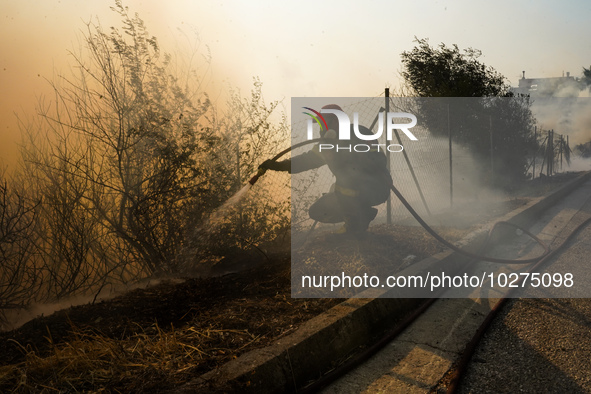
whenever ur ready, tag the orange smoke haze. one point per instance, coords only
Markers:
(305, 48)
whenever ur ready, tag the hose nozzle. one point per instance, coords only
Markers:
(259, 174)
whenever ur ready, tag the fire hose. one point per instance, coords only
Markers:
(471, 347)
(424, 224)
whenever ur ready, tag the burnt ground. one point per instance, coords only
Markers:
(190, 327)
(211, 320)
(156, 338)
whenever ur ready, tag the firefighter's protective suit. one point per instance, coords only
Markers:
(362, 181)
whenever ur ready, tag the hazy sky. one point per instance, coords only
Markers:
(297, 48)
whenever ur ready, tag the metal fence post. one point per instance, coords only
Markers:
(492, 158)
(533, 174)
(387, 109)
(550, 153)
(451, 176)
(561, 146)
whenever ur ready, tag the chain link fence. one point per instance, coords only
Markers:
(434, 173)
(421, 171)
(553, 155)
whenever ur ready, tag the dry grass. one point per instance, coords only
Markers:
(117, 347)
(152, 359)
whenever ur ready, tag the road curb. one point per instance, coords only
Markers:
(291, 362)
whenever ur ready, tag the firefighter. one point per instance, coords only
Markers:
(362, 179)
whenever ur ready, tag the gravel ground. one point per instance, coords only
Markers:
(535, 346)
(539, 345)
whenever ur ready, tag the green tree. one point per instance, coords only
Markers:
(498, 118)
(448, 72)
(587, 77)
(583, 150)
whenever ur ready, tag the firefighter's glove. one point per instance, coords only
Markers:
(275, 165)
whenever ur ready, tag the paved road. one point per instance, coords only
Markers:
(534, 345)
(540, 345)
